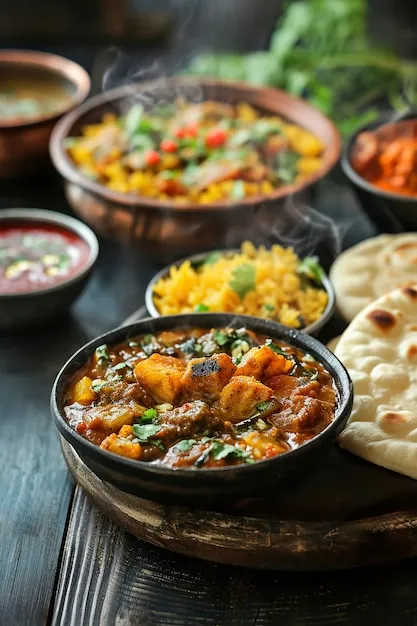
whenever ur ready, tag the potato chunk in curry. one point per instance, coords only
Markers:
(204, 378)
(241, 396)
(262, 363)
(161, 376)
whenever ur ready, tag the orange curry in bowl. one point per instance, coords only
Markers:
(387, 157)
(198, 398)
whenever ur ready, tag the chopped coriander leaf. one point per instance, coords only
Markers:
(201, 308)
(158, 443)
(220, 338)
(102, 353)
(243, 279)
(213, 257)
(144, 432)
(250, 461)
(149, 416)
(99, 384)
(185, 444)
(311, 268)
(222, 450)
(312, 374)
(269, 307)
(276, 349)
(238, 190)
(119, 366)
(148, 339)
(263, 406)
(132, 119)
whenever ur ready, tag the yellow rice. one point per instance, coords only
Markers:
(277, 295)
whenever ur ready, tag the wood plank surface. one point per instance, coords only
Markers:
(110, 578)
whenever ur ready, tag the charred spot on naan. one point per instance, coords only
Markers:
(412, 352)
(407, 247)
(411, 292)
(395, 418)
(382, 319)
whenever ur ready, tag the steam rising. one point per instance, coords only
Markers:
(290, 222)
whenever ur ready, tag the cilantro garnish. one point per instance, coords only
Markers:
(311, 268)
(213, 257)
(144, 432)
(102, 353)
(243, 279)
(98, 384)
(185, 444)
(149, 416)
(201, 308)
(220, 338)
(263, 406)
(220, 450)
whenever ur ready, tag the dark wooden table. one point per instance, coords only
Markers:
(63, 563)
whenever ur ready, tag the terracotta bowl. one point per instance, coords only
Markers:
(24, 145)
(198, 259)
(160, 229)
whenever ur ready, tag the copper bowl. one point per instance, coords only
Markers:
(159, 228)
(24, 145)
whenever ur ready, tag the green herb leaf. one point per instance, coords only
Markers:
(185, 444)
(311, 268)
(132, 119)
(102, 353)
(221, 338)
(263, 406)
(158, 443)
(211, 258)
(201, 308)
(238, 190)
(144, 432)
(222, 450)
(243, 279)
(149, 416)
(99, 384)
(119, 366)
(276, 349)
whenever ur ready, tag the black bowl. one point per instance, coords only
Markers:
(390, 212)
(212, 486)
(24, 309)
(196, 259)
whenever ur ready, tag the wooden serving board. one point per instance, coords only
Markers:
(345, 513)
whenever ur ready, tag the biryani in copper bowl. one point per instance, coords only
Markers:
(273, 284)
(179, 166)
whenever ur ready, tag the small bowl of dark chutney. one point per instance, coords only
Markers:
(202, 408)
(45, 261)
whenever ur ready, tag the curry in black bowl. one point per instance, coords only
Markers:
(201, 398)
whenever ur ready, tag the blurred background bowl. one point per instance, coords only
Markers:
(391, 212)
(24, 144)
(161, 230)
(198, 259)
(18, 310)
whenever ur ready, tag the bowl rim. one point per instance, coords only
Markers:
(72, 174)
(305, 342)
(356, 178)
(201, 256)
(59, 65)
(39, 216)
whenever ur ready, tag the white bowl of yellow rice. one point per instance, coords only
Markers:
(271, 283)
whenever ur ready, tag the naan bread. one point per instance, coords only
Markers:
(372, 268)
(379, 349)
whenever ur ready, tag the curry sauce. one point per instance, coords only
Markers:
(192, 398)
